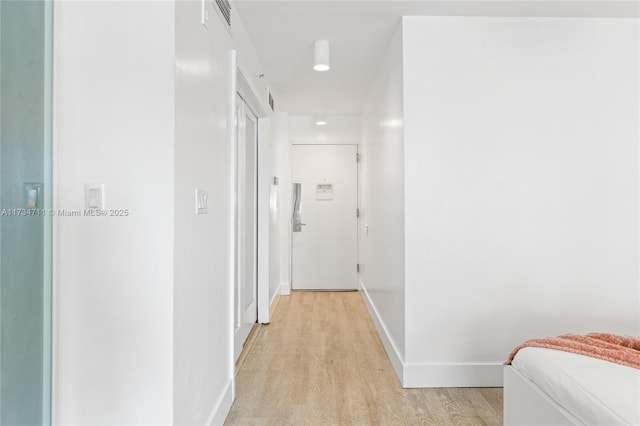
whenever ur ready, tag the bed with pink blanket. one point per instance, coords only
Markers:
(573, 380)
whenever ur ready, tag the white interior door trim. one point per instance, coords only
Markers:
(248, 94)
(246, 235)
(231, 123)
(264, 186)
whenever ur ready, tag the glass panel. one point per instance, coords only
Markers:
(25, 197)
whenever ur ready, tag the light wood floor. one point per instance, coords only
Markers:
(321, 362)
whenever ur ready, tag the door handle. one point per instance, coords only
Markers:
(297, 208)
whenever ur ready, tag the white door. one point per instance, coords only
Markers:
(324, 223)
(246, 307)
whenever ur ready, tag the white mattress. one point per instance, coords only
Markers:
(596, 392)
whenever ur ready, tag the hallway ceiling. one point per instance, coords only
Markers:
(283, 33)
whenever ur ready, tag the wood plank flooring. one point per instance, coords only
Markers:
(321, 362)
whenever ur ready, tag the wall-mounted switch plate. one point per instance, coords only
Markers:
(94, 196)
(202, 200)
(33, 195)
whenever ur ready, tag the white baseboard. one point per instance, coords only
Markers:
(393, 353)
(432, 375)
(222, 406)
(274, 303)
(470, 375)
(285, 289)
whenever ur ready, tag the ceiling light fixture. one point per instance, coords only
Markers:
(321, 55)
(321, 121)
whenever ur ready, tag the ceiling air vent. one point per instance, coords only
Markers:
(224, 8)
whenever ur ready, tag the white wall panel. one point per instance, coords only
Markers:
(113, 276)
(203, 252)
(521, 184)
(382, 250)
(280, 204)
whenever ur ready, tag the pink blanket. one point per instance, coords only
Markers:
(609, 347)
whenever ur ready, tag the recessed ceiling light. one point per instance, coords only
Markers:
(321, 121)
(321, 60)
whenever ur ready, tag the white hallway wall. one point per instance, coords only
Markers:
(202, 372)
(382, 203)
(521, 188)
(143, 303)
(113, 277)
(280, 203)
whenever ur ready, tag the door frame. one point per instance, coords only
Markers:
(292, 144)
(248, 94)
(242, 328)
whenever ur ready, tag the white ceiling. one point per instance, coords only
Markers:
(283, 33)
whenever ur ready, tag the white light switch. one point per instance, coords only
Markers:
(32, 195)
(94, 196)
(201, 201)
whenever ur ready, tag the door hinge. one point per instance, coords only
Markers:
(357, 267)
(357, 157)
(357, 212)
